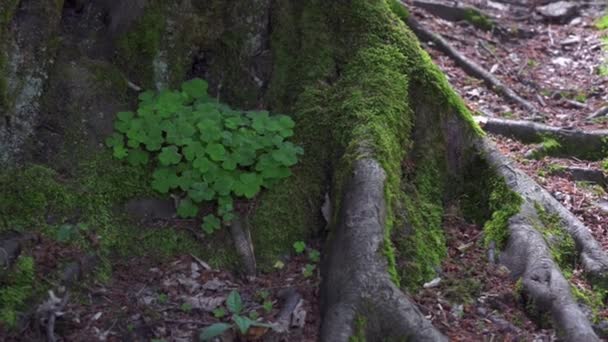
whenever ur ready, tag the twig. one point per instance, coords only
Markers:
(468, 65)
(603, 111)
(187, 321)
(134, 86)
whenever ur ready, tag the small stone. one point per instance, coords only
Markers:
(602, 205)
(482, 311)
(560, 11)
(433, 283)
(571, 40)
(561, 61)
(458, 311)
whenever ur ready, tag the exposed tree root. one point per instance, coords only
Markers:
(360, 290)
(244, 247)
(599, 113)
(573, 142)
(292, 300)
(528, 256)
(453, 11)
(583, 174)
(593, 258)
(468, 65)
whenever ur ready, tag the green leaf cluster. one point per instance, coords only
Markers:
(234, 303)
(204, 149)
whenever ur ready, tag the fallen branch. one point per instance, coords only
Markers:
(453, 11)
(284, 319)
(468, 65)
(361, 287)
(573, 142)
(528, 256)
(599, 113)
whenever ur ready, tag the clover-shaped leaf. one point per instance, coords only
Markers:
(210, 130)
(169, 156)
(211, 224)
(202, 164)
(187, 208)
(120, 152)
(194, 150)
(137, 157)
(201, 192)
(196, 88)
(216, 152)
(115, 140)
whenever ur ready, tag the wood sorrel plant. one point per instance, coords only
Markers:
(204, 149)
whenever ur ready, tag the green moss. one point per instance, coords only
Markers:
(602, 23)
(110, 78)
(549, 146)
(15, 289)
(592, 298)
(399, 9)
(462, 291)
(29, 196)
(379, 61)
(290, 210)
(561, 244)
(360, 328)
(503, 203)
(425, 247)
(7, 11)
(478, 19)
(138, 47)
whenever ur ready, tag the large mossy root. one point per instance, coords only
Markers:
(357, 283)
(532, 256)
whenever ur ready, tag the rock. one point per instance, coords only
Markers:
(433, 283)
(561, 61)
(570, 40)
(602, 205)
(561, 11)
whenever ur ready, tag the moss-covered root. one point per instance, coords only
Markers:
(556, 141)
(593, 258)
(361, 288)
(527, 255)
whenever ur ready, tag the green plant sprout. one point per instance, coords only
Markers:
(314, 256)
(234, 304)
(299, 247)
(204, 150)
(308, 270)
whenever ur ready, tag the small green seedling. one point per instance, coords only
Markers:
(267, 306)
(314, 256)
(308, 270)
(186, 307)
(241, 323)
(219, 313)
(299, 247)
(162, 298)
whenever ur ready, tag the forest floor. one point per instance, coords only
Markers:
(561, 69)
